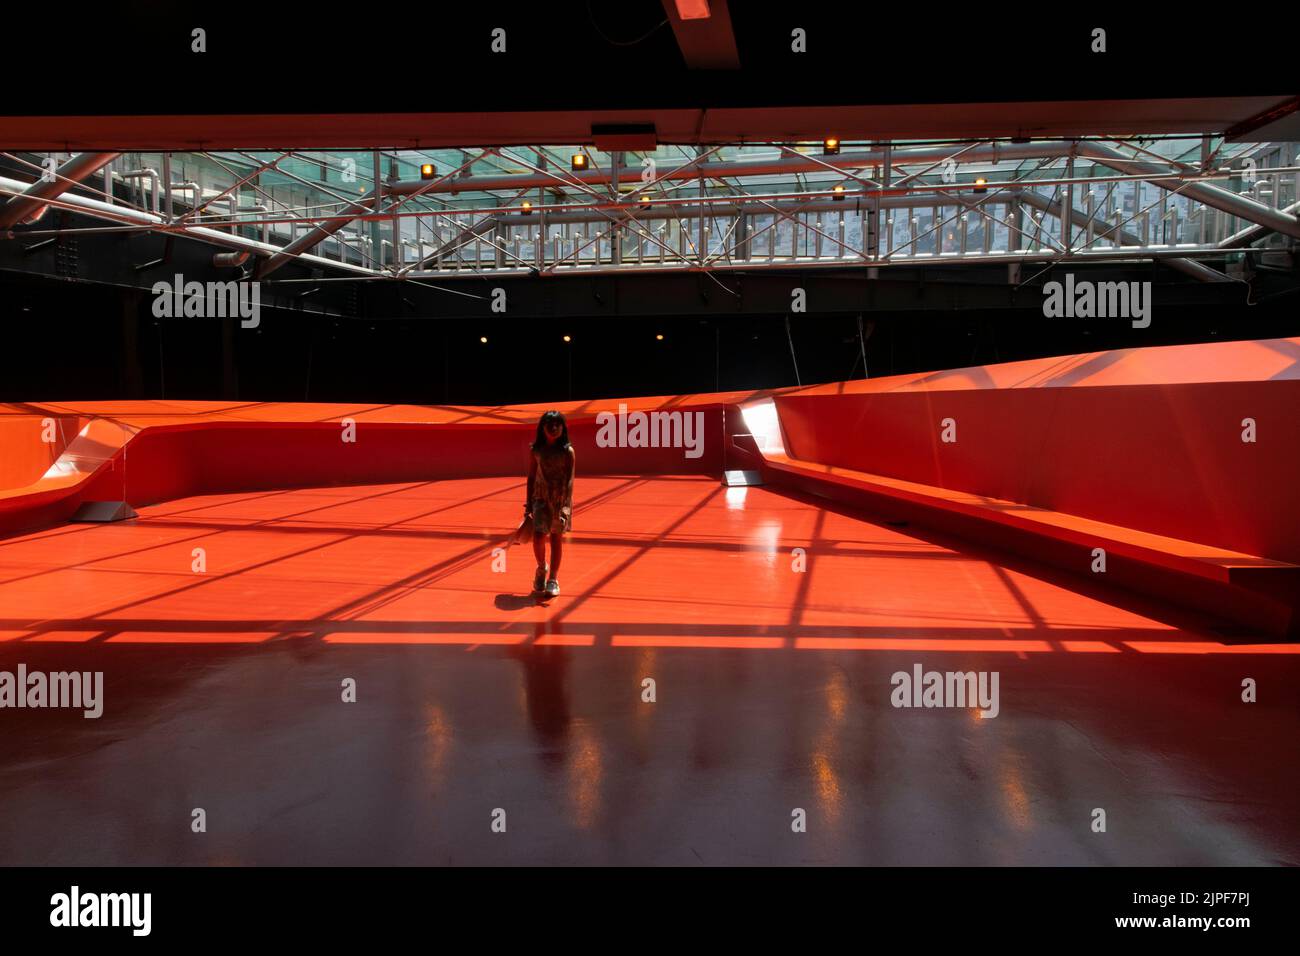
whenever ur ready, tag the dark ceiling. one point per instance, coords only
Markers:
(425, 74)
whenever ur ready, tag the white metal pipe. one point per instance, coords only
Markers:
(103, 210)
(29, 206)
(155, 195)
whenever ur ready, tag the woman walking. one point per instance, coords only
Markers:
(551, 466)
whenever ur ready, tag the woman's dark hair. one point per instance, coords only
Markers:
(547, 418)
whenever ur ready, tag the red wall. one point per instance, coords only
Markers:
(167, 462)
(24, 457)
(1167, 459)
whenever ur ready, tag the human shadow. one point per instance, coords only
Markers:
(547, 695)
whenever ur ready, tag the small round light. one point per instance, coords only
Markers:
(659, 337)
(578, 162)
(831, 145)
(839, 192)
(427, 171)
(483, 339)
(567, 339)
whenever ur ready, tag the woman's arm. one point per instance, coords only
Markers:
(573, 469)
(532, 478)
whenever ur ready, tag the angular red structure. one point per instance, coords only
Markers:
(1178, 463)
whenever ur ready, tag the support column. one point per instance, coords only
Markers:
(1067, 206)
(229, 375)
(132, 378)
(700, 247)
(376, 233)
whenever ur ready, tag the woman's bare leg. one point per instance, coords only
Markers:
(557, 552)
(539, 548)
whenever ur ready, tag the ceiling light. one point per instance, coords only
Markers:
(693, 9)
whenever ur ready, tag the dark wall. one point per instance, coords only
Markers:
(68, 340)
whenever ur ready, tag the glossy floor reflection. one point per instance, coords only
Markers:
(773, 690)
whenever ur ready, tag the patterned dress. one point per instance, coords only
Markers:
(552, 494)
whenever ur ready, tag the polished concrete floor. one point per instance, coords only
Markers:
(223, 691)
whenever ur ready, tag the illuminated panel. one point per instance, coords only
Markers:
(693, 9)
(761, 421)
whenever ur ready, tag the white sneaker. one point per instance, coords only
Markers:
(552, 588)
(539, 579)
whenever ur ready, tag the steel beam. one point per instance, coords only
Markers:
(31, 204)
(1248, 235)
(701, 171)
(1053, 207)
(1206, 193)
(121, 214)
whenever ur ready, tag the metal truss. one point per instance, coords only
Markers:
(522, 211)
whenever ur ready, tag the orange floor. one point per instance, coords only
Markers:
(773, 691)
